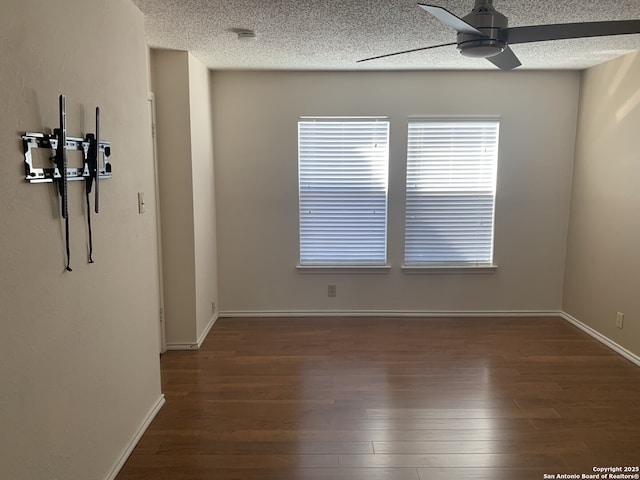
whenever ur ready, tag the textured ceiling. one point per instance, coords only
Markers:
(333, 34)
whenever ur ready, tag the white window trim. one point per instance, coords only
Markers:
(347, 265)
(343, 269)
(453, 268)
(448, 269)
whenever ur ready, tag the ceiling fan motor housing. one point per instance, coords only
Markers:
(490, 22)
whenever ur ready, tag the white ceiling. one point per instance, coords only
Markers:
(333, 34)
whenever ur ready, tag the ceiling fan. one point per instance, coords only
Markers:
(484, 33)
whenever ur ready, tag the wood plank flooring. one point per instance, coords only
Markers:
(392, 399)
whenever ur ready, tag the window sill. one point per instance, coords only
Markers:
(439, 269)
(343, 268)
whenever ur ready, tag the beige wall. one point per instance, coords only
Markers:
(203, 181)
(185, 161)
(170, 72)
(255, 118)
(603, 252)
(79, 365)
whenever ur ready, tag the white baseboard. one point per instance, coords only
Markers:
(412, 314)
(391, 313)
(198, 343)
(207, 329)
(182, 346)
(632, 357)
(136, 438)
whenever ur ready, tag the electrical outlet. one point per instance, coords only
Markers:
(213, 307)
(620, 320)
(331, 290)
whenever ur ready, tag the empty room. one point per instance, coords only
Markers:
(320, 240)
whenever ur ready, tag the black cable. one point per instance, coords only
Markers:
(66, 228)
(89, 225)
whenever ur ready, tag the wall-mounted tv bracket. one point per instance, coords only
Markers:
(91, 171)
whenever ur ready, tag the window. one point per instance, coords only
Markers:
(342, 179)
(450, 192)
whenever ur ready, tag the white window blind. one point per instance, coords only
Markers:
(450, 192)
(343, 175)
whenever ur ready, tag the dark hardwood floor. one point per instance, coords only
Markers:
(391, 399)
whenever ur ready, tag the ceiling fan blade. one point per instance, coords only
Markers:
(448, 18)
(561, 31)
(506, 60)
(406, 51)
